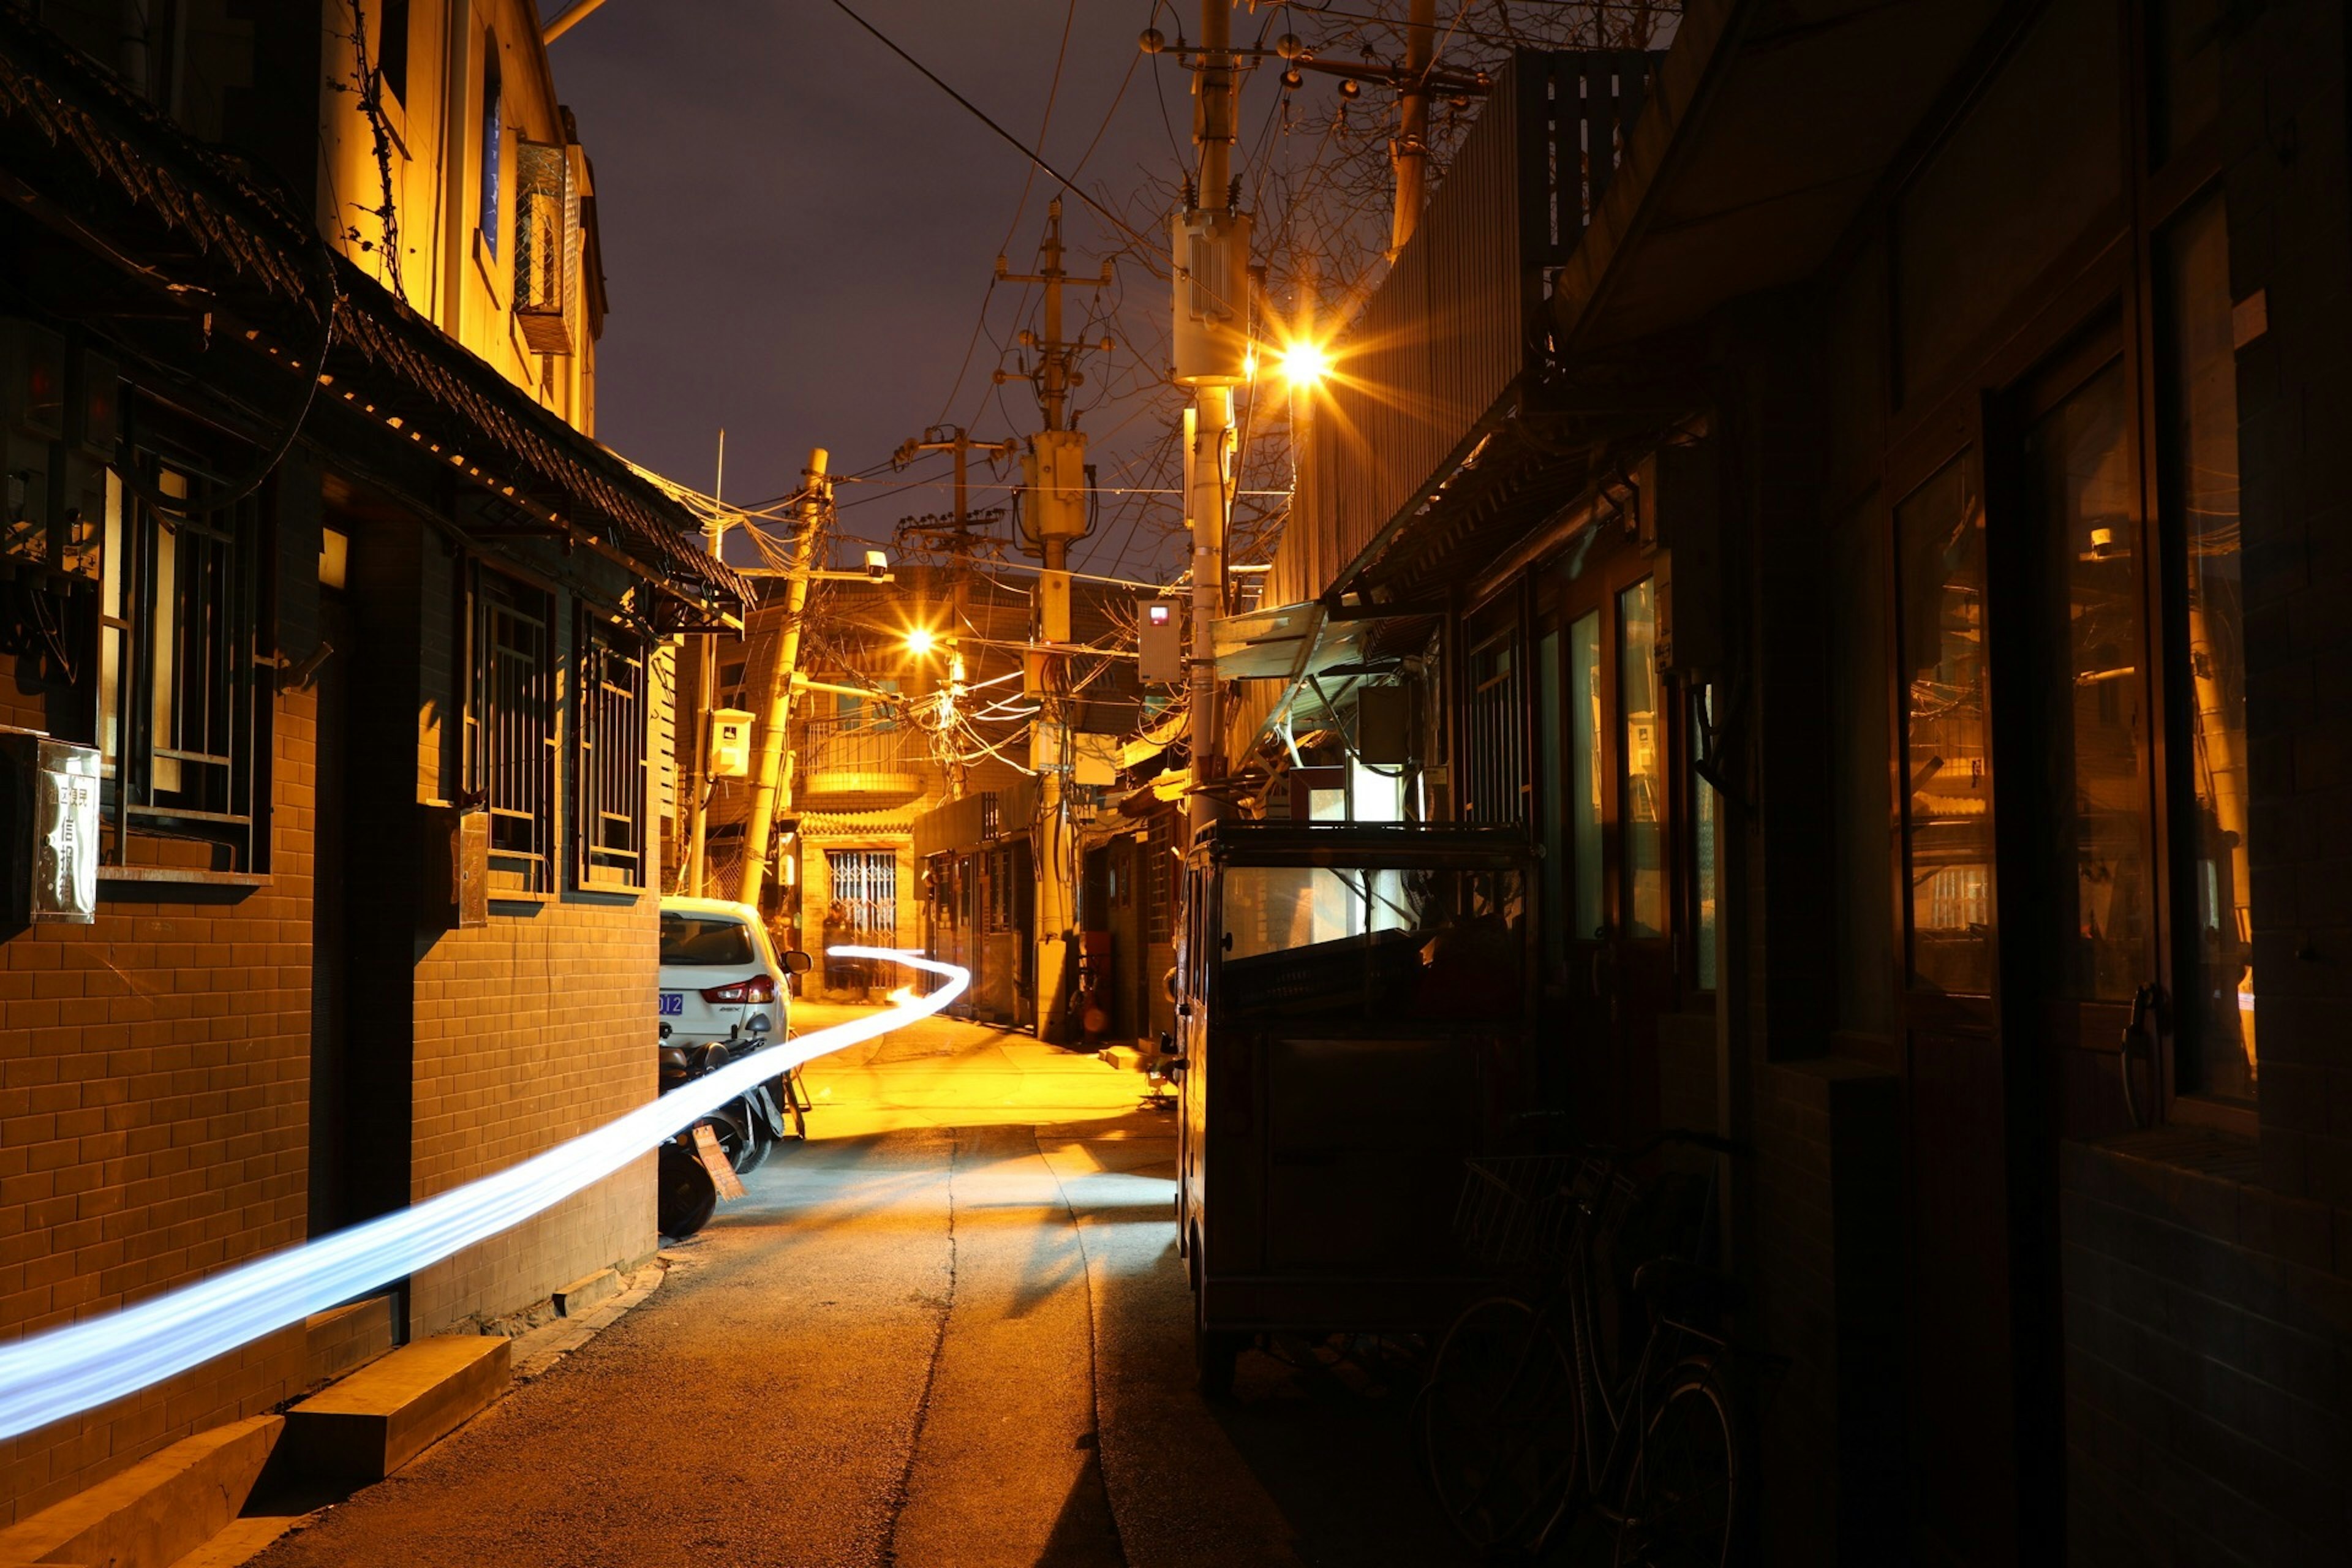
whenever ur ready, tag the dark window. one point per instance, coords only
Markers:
(1641, 762)
(1948, 819)
(510, 728)
(1160, 878)
(2206, 568)
(712, 940)
(1497, 747)
(493, 144)
(391, 49)
(181, 719)
(611, 721)
(2185, 52)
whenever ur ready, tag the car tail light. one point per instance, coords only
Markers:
(757, 989)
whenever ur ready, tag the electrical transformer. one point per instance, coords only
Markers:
(1211, 340)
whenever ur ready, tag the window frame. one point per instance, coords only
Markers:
(528, 769)
(605, 716)
(226, 807)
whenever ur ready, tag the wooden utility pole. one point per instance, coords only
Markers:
(1055, 489)
(776, 715)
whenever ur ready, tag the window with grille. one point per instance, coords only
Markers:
(1497, 739)
(510, 728)
(611, 722)
(181, 716)
(866, 885)
(1160, 878)
(1003, 890)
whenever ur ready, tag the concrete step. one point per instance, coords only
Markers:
(157, 1512)
(344, 1339)
(385, 1414)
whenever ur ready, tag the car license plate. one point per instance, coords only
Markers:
(673, 1004)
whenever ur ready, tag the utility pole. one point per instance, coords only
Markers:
(1055, 481)
(777, 711)
(1210, 337)
(958, 535)
(1409, 153)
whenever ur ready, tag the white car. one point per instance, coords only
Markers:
(722, 978)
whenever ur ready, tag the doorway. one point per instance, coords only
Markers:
(1606, 739)
(2032, 906)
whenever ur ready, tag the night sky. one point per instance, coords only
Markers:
(799, 230)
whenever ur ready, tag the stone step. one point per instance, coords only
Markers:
(157, 1512)
(388, 1412)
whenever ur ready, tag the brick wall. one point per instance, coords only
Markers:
(154, 1128)
(2206, 1380)
(532, 1030)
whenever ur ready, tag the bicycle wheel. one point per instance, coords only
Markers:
(1686, 1494)
(1497, 1426)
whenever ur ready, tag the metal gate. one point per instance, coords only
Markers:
(866, 885)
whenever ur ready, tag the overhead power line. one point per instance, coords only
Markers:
(1027, 151)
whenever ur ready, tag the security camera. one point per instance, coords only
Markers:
(877, 564)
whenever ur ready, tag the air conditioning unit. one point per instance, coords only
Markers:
(547, 244)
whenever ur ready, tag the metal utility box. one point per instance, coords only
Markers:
(1354, 1007)
(454, 866)
(1159, 641)
(48, 830)
(731, 743)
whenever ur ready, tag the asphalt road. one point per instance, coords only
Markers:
(951, 1330)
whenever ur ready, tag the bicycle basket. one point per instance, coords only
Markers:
(1522, 1211)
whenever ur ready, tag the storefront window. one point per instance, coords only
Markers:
(1584, 773)
(1703, 871)
(1643, 761)
(2079, 469)
(1947, 820)
(2219, 1055)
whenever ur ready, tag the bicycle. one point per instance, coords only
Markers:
(1512, 1416)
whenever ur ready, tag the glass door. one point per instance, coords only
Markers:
(1608, 810)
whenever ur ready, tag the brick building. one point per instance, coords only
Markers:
(1863, 489)
(308, 543)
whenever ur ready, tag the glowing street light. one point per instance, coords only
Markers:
(1304, 362)
(918, 639)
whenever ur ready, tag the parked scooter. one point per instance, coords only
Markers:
(685, 1194)
(747, 1131)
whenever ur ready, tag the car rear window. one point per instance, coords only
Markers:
(704, 939)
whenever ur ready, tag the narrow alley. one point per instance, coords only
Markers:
(950, 1330)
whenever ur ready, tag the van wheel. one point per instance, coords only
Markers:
(1214, 1351)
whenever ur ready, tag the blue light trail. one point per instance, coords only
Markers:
(68, 1371)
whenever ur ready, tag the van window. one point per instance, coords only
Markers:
(1370, 943)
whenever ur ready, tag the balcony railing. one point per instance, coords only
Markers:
(860, 765)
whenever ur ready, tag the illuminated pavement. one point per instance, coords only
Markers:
(953, 1330)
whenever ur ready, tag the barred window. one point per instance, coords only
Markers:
(611, 721)
(1497, 741)
(182, 718)
(510, 728)
(1159, 877)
